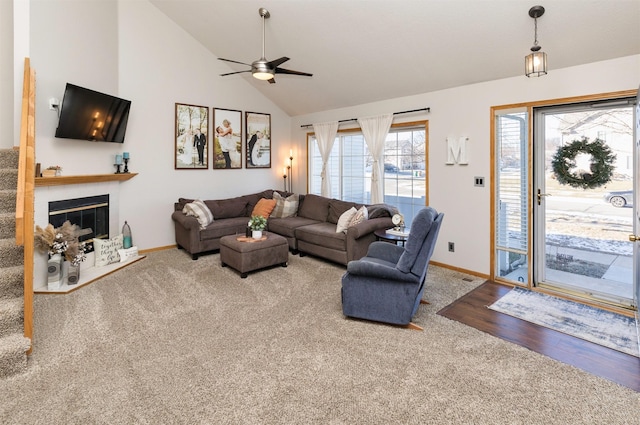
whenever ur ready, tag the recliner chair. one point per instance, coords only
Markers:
(387, 284)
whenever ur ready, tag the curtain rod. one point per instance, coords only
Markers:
(395, 113)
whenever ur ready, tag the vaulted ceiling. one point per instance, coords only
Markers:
(362, 51)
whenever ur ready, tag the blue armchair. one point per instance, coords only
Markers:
(387, 284)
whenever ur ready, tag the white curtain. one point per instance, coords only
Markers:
(325, 136)
(375, 131)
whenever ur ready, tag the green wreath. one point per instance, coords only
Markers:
(601, 168)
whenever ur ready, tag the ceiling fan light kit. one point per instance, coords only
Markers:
(535, 63)
(262, 69)
(264, 76)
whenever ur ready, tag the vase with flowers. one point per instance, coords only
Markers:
(60, 244)
(257, 224)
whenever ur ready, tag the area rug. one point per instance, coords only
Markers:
(582, 321)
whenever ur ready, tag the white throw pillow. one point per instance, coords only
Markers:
(200, 211)
(127, 254)
(345, 219)
(106, 250)
(359, 217)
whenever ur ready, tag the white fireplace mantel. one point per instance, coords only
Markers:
(91, 178)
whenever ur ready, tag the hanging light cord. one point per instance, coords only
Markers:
(535, 31)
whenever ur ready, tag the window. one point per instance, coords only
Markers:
(404, 171)
(511, 221)
(350, 161)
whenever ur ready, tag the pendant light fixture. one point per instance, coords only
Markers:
(535, 63)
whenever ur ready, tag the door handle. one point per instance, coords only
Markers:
(540, 195)
(634, 238)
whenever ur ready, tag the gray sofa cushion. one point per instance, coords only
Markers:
(227, 208)
(287, 226)
(314, 207)
(323, 234)
(228, 226)
(337, 207)
(253, 199)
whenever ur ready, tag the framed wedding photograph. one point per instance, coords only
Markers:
(227, 139)
(258, 140)
(191, 137)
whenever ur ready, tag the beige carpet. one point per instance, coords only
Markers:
(171, 340)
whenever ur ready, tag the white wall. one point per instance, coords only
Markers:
(6, 74)
(465, 111)
(130, 49)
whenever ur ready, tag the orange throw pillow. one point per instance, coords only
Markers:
(264, 207)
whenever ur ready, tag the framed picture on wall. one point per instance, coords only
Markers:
(227, 138)
(191, 137)
(258, 140)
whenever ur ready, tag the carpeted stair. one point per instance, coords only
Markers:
(13, 344)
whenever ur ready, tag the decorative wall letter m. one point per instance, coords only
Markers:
(457, 151)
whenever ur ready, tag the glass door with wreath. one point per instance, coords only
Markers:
(583, 200)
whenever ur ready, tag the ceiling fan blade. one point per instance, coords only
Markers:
(229, 60)
(291, 72)
(276, 62)
(272, 81)
(237, 72)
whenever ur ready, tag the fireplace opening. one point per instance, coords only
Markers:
(91, 214)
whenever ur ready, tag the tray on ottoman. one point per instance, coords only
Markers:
(246, 255)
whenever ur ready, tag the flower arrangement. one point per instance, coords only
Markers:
(54, 167)
(62, 240)
(257, 222)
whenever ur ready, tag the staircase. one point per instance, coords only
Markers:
(13, 344)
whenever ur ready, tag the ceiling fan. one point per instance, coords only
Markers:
(262, 69)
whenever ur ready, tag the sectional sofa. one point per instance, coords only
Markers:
(310, 230)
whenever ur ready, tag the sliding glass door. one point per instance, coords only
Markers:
(635, 237)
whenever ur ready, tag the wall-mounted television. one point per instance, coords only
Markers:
(90, 115)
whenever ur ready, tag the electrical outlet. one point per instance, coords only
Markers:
(452, 247)
(478, 181)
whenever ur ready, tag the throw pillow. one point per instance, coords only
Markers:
(200, 211)
(106, 250)
(361, 215)
(345, 219)
(264, 207)
(127, 254)
(285, 207)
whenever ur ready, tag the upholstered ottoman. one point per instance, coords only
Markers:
(246, 254)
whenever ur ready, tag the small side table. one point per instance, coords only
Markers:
(382, 235)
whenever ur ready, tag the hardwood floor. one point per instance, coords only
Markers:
(604, 362)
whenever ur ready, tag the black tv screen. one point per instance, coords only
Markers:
(90, 115)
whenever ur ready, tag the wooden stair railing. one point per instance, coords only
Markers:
(25, 191)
